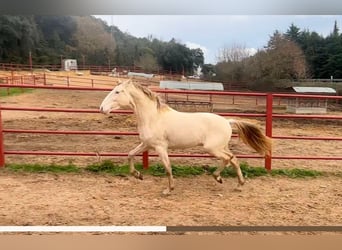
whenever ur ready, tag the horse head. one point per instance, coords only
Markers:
(118, 98)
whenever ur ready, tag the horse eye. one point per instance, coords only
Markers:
(117, 92)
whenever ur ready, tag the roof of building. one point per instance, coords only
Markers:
(326, 90)
(140, 74)
(191, 85)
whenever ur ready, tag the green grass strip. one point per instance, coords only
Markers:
(13, 91)
(41, 168)
(108, 167)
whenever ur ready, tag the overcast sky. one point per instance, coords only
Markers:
(213, 32)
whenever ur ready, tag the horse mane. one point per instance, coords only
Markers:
(150, 94)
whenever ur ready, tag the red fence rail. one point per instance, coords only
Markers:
(268, 116)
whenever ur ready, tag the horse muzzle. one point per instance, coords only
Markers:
(103, 111)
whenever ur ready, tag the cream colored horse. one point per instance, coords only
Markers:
(161, 127)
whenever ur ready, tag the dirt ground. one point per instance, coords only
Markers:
(89, 199)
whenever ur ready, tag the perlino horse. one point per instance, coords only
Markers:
(161, 127)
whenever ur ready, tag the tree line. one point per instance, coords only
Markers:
(49, 39)
(295, 54)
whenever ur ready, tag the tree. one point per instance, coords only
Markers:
(335, 30)
(286, 58)
(293, 33)
(18, 36)
(230, 71)
(147, 61)
(231, 63)
(323, 54)
(197, 58)
(312, 45)
(259, 66)
(234, 53)
(93, 40)
(179, 58)
(208, 71)
(56, 38)
(333, 50)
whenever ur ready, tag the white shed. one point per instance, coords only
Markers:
(69, 64)
(309, 105)
(133, 74)
(191, 85)
(191, 102)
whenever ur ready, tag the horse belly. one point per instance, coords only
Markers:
(185, 130)
(185, 137)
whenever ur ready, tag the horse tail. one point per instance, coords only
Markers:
(252, 135)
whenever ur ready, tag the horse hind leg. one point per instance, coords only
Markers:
(227, 157)
(217, 173)
(162, 152)
(236, 165)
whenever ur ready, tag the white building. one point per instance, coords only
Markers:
(302, 105)
(69, 64)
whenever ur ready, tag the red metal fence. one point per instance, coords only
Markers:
(269, 116)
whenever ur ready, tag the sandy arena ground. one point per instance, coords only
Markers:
(89, 199)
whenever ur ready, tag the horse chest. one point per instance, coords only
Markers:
(148, 135)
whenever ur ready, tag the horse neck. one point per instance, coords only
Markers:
(145, 110)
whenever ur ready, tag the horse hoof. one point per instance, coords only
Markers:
(219, 179)
(138, 175)
(237, 189)
(166, 192)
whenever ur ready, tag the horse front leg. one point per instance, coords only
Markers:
(139, 149)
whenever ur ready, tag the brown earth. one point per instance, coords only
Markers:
(89, 199)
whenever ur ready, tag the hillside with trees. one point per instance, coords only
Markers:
(92, 42)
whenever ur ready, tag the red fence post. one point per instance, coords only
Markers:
(269, 114)
(2, 148)
(145, 160)
(44, 78)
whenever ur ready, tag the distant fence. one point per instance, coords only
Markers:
(320, 80)
(96, 69)
(269, 116)
(58, 67)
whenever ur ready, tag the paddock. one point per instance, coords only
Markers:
(89, 199)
